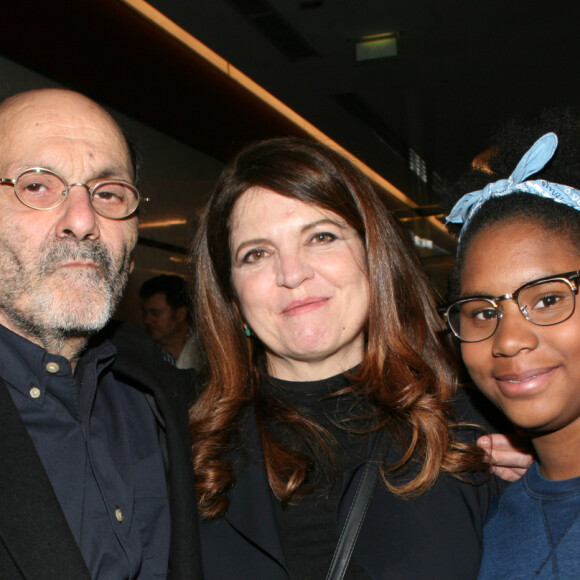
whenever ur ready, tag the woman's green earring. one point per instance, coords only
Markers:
(247, 331)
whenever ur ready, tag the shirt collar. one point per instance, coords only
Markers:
(25, 365)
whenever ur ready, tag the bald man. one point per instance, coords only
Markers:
(95, 470)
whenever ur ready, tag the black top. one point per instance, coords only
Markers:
(308, 526)
(435, 536)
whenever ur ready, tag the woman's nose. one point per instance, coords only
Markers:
(292, 269)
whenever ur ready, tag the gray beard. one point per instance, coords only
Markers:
(76, 315)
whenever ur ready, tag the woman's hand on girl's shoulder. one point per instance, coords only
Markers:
(510, 454)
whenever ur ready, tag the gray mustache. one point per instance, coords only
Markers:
(66, 251)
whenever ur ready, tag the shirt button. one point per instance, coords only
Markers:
(119, 515)
(52, 367)
(35, 392)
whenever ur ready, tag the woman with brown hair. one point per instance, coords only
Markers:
(324, 356)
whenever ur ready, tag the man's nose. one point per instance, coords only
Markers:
(78, 219)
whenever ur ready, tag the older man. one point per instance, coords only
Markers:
(87, 436)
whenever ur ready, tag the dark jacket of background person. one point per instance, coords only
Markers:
(35, 539)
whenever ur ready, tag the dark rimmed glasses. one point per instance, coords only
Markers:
(544, 302)
(42, 189)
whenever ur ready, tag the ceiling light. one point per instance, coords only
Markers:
(481, 161)
(163, 223)
(376, 46)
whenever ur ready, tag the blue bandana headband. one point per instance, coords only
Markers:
(533, 161)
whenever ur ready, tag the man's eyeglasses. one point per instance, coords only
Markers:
(543, 302)
(42, 189)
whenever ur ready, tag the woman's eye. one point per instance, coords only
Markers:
(323, 237)
(254, 256)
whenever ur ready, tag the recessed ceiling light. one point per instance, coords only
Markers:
(376, 46)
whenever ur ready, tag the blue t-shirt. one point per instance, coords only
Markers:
(533, 530)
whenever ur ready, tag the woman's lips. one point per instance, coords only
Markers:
(524, 382)
(297, 307)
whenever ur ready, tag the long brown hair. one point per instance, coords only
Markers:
(406, 375)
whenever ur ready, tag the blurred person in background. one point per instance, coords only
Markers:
(164, 304)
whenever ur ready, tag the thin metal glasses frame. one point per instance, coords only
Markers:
(90, 190)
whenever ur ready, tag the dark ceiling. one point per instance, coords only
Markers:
(463, 66)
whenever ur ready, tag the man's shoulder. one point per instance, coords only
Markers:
(140, 362)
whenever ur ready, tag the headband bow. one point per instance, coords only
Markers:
(533, 161)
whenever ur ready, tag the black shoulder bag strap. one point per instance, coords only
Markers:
(357, 512)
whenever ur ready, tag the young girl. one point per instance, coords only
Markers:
(514, 312)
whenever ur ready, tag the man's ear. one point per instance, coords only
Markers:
(131, 264)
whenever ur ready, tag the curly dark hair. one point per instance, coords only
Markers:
(508, 146)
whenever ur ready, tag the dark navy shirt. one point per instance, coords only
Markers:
(97, 440)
